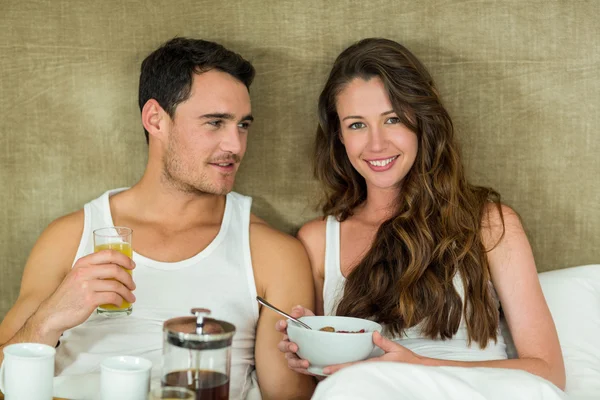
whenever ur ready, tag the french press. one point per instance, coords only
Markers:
(197, 354)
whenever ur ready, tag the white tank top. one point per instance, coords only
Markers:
(456, 349)
(219, 278)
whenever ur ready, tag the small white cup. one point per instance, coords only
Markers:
(125, 377)
(27, 371)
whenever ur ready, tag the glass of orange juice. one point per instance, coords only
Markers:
(114, 238)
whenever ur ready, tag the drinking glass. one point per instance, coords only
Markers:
(114, 238)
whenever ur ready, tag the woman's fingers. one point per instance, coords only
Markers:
(296, 363)
(281, 326)
(285, 346)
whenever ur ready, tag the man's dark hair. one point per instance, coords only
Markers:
(167, 73)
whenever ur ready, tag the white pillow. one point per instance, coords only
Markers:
(573, 296)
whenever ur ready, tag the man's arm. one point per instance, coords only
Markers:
(283, 278)
(54, 297)
(48, 263)
(312, 237)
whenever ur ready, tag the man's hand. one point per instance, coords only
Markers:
(94, 280)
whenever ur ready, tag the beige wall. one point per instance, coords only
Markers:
(521, 79)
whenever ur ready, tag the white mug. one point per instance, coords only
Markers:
(27, 371)
(125, 377)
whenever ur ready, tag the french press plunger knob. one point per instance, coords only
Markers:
(200, 313)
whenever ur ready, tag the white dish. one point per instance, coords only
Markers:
(322, 349)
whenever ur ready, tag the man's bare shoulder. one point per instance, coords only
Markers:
(70, 221)
(312, 237)
(275, 254)
(281, 265)
(59, 240)
(255, 219)
(52, 255)
(70, 225)
(261, 233)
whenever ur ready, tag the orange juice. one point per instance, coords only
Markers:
(124, 248)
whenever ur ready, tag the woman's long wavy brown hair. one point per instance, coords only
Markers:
(406, 278)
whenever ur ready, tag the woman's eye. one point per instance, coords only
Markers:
(357, 125)
(393, 120)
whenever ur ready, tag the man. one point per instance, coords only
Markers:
(195, 242)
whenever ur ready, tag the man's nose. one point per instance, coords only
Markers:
(232, 141)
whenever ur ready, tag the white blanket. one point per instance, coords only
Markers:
(397, 381)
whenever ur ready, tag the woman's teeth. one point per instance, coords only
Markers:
(382, 163)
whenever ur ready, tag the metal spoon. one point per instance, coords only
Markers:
(277, 310)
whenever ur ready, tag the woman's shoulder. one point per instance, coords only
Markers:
(499, 220)
(313, 232)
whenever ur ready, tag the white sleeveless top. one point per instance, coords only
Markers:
(456, 349)
(219, 278)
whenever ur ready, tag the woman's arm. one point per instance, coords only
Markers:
(515, 279)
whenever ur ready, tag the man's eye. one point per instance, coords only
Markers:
(244, 125)
(357, 125)
(216, 123)
(393, 120)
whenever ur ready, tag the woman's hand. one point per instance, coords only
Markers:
(393, 352)
(289, 348)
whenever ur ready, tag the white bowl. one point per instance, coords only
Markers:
(328, 348)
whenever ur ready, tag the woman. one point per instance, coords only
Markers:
(406, 241)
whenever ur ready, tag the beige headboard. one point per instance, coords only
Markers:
(520, 78)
